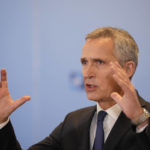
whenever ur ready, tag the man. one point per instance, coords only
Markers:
(109, 60)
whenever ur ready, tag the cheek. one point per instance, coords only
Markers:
(107, 82)
(105, 76)
(113, 86)
(83, 71)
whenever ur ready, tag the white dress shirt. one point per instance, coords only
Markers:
(108, 123)
(4, 124)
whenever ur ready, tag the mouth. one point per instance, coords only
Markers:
(90, 87)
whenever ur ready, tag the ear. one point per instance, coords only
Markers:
(129, 68)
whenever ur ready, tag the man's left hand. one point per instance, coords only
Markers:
(129, 100)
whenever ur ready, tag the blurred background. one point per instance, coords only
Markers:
(40, 46)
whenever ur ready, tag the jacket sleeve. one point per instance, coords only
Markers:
(8, 139)
(52, 142)
(148, 130)
(143, 138)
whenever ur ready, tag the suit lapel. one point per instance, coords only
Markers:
(120, 128)
(122, 125)
(84, 129)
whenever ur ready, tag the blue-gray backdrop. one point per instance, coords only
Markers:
(40, 46)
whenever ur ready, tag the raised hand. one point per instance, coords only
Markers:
(128, 101)
(7, 104)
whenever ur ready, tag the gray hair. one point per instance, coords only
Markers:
(126, 48)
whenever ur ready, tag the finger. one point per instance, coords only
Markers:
(3, 75)
(117, 69)
(123, 84)
(116, 63)
(20, 102)
(116, 97)
(3, 82)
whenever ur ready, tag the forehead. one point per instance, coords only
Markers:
(100, 47)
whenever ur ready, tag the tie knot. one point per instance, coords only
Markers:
(101, 116)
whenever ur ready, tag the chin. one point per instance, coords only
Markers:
(93, 98)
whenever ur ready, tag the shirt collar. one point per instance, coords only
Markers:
(113, 111)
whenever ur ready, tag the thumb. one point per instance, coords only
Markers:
(20, 102)
(116, 97)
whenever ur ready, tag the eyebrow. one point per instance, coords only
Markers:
(82, 59)
(93, 59)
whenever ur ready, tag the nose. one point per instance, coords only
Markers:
(88, 72)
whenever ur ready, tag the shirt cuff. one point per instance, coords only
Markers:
(139, 130)
(2, 125)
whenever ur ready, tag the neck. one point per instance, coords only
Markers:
(106, 104)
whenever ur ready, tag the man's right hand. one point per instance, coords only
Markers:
(7, 104)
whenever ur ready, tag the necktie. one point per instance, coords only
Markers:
(99, 138)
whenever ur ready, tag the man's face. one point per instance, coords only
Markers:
(96, 57)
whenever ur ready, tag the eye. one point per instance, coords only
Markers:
(99, 61)
(83, 61)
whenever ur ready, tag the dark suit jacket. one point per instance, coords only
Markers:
(73, 134)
